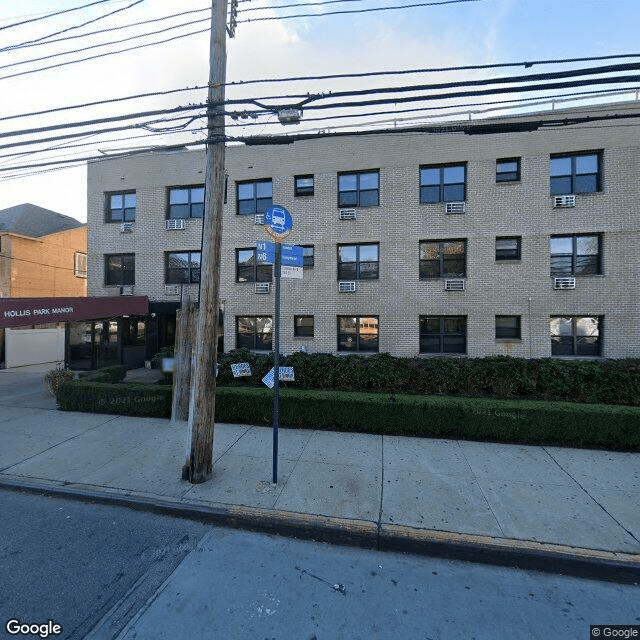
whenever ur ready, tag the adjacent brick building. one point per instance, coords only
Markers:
(520, 242)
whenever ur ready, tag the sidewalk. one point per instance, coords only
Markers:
(549, 508)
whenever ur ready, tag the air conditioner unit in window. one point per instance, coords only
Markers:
(171, 290)
(454, 285)
(348, 214)
(259, 218)
(564, 283)
(126, 227)
(454, 207)
(346, 286)
(564, 201)
(126, 290)
(262, 287)
(174, 224)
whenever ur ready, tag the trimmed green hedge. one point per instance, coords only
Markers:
(115, 373)
(149, 400)
(522, 421)
(591, 381)
(518, 421)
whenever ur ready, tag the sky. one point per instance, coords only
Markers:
(455, 34)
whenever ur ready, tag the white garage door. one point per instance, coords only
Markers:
(33, 346)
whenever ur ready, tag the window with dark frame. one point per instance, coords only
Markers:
(508, 248)
(247, 268)
(182, 267)
(443, 259)
(576, 255)
(186, 202)
(443, 183)
(443, 334)
(303, 326)
(358, 261)
(303, 185)
(508, 170)
(254, 333)
(575, 173)
(119, 269)
(576, 336)
(508, 328)
(359, 189)
(308, 256)
(254, 197)
(358, 333)
(121, 207)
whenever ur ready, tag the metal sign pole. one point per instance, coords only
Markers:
(276, 362)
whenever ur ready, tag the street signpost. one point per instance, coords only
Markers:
(278, 224)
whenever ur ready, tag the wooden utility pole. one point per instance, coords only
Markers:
(199, 464)
(183, 359)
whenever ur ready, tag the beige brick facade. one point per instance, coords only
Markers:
(398, 298)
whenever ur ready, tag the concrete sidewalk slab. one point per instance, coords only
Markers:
(478, 500)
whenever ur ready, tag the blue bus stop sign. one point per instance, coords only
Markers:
(278, 222)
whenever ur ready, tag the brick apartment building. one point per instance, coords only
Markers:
(519, 242)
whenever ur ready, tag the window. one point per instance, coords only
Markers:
(121, 207)
(358, 261)
(508, 327)
(576, 255)
(443, 259)
(254, 332)
(303, 185)
(576, 336)
(508, 248)
(186, 202)
(254, 197)
(182, 267)
(443, 183)
(579, 173)
(508, 170)
(80, 265)
(308, 256)
(359, 189)
(303, 326)
(247, 269)
(358, 333)
(119, 269)
(443, 334)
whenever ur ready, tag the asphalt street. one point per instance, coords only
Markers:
(104, 572)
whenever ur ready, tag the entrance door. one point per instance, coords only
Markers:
(105, 343)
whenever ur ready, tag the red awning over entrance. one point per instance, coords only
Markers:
(16, 312)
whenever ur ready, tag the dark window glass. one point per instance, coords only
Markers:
(358, 333)
(182, 267)
(186, 202)
(308, 257)
(508, 170)
(443, 259)
(303, 186)
(254, 197)
(358, 262)
(580, 173)
(247, 269)
(254, 332)
(359, 189)
(121, 207)
(576, 336)
(303, 326)
(120, 269)
(443, 334)
(576, 255)
(508, 327)
(446, 183)
(508, 248)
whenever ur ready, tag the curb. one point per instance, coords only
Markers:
(526, 555)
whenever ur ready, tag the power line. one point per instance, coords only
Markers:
(77, 26)
(351, 11)
(51, 15)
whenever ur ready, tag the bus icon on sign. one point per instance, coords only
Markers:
(278, 221)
